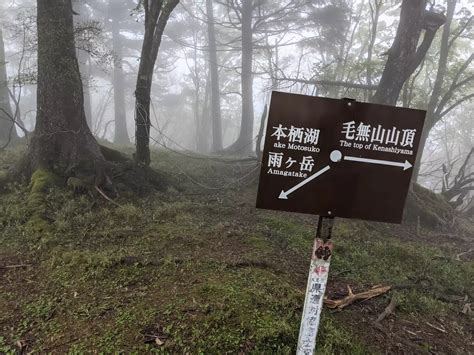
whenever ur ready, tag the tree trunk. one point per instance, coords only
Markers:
(244, 145)
(375, 14)
(258, 148)
(214, 71)
(431, 117)
(156, 17)
(62, 141)
(246, 129)
(202, 124)
(121, 132)
(85, 69)
(84, 59)
(7, 124)
(405, 55)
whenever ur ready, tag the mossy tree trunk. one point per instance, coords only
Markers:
(62, 141)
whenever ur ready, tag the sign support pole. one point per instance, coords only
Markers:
(317, 281)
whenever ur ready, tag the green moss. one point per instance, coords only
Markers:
(432, 210)
(41, 181)
(5, 348)
(77, 185)
(335, 339)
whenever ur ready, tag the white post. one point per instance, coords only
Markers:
(313, 304)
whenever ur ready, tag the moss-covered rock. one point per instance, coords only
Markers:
(431, 209)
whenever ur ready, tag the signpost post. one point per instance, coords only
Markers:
(335, 158)
(316, 286)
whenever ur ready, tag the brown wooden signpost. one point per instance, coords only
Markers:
(335, 158)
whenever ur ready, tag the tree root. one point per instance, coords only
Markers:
(116, 173)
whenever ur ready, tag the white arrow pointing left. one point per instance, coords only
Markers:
(406, 165)
(284, 195)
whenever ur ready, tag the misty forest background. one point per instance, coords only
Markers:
(219, 61)
(130, 144)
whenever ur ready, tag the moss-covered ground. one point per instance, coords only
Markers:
(199, 270)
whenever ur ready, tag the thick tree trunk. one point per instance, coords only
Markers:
(244, 145)
(375, 14)
(156, 18)
(85, 69)
(214, 71)
(62, 141)
(7, 124)
(142, 101)
(401, 55)
(121, 132)
(84, 59)
(431, 116)
(246, 130)
(405, 55)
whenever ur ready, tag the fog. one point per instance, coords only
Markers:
(322, 48)
(174, 174)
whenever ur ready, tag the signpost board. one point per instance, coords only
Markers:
(335, 158)
(338, 157)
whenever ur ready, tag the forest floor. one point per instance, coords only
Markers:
(200, 270)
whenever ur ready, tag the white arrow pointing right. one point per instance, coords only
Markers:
(406, 165)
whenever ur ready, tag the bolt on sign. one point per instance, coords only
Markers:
(338, 158)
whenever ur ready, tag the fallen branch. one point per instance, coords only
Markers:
(102, 193)
(458, 256)
(351, 297)
(14, 266)
(388, 310)
(442, 330)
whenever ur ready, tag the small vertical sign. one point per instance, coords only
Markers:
(313, 304)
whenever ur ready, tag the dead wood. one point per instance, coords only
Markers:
(351, 297)
(438, 328)
(458, 256)
(387, 311)
(102, 193)
(14, 266)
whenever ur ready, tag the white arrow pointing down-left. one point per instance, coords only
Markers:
(284, 195)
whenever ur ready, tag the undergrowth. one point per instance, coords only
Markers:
(200, 270)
